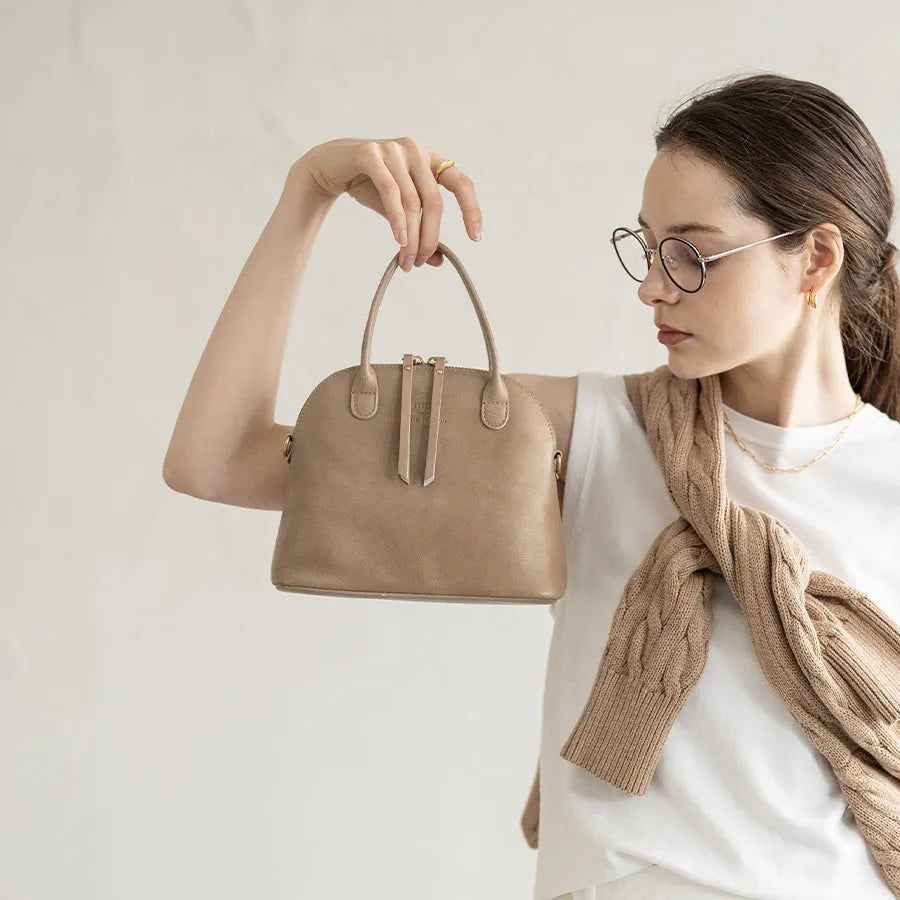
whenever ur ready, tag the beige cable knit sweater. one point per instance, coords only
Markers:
(830, 654)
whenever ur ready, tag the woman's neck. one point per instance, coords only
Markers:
(805, 386)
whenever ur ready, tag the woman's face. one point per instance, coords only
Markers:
(749, 308)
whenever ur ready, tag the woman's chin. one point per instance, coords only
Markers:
(683, 366)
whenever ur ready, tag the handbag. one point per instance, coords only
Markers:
(420, 480)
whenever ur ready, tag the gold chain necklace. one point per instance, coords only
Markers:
(828, 449)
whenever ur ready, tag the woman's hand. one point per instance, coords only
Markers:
(395, 177)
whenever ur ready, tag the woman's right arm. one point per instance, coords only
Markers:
(226, 445)
(228, 411)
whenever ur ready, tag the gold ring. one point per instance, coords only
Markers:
(444, 165)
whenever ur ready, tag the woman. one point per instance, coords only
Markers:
(777, 276)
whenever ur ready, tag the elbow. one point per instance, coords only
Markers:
(171, 478)
(176, 479)
(183, 480)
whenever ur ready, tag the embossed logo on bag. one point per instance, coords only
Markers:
(423, 413)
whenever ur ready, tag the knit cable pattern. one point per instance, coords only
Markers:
(830, 653)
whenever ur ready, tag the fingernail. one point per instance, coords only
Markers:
(476, 230)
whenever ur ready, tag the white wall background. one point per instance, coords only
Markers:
(172, 726)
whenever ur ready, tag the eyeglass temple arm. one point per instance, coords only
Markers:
(747, 246)
(715, 255)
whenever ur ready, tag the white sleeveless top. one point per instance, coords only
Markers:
(741, 801)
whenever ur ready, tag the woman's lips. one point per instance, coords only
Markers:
(672, 337)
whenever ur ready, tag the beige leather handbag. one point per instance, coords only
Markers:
(422, 481)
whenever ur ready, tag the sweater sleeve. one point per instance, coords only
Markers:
(654, 656)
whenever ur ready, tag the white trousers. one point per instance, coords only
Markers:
(650, 883)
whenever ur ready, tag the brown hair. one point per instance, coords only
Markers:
(798, 156)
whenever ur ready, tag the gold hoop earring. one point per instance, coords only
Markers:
(811, 298)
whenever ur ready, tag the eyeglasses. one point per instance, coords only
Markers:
(681, 260)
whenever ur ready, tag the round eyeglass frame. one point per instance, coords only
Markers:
(650, 251)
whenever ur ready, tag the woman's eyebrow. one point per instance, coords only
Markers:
(682, 229)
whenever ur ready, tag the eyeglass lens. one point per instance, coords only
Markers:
(681, 262)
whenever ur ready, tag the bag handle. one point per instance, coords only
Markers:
(364, 388)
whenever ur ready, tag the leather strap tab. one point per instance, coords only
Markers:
(405, 416)
(437, 388)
